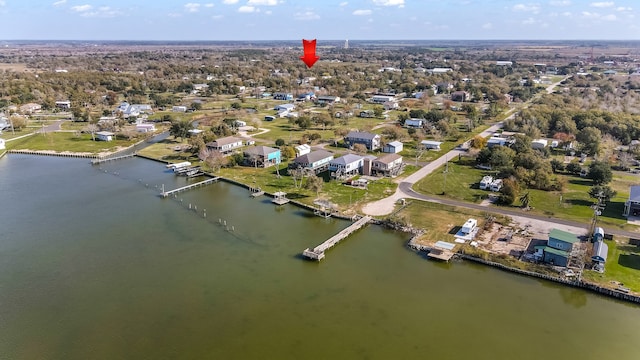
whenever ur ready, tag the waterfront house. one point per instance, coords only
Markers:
(393, 147)
(431, 145)
(346, 166)
(370, 140)
(387, 165)
(262, 156)
(317, 160)
(104, 135)
(225, 145)
(558, 248)
(468, 231)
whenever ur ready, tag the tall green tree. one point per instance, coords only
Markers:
(600, 173)
(180, 129)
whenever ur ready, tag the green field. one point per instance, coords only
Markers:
(623, 266)
(64, 141)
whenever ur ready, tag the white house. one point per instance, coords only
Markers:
(393, 147)
(431, 145)
(346, 165)
(485, 183)
(469, 226)
(2, 144)
(390, 105)
(504, 63)
(414, 123)
(285, 107)
(64, 105)
(105, 135)
(179, 109)
(145, 127)
(496, 141)
(381, 99)
(496, 185)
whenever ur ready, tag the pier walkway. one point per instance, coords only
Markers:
(189, 187)
(317, 253)
(102, 160)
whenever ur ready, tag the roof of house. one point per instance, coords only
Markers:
(263, 151)
(285, 106)
(346, 159)
(563, 236)
(634, 193)
(395, 144)
(389, 158)
(552, 250)
(414, 120)
(313, 156)
(225, 141)
(600, 251)
(303, 147)
(361, 135)
(429, 142)
(105, 133)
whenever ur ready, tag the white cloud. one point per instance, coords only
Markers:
(534, 8)
(61, 2)
(230, 2)
(306, 15)
(344, 3)
(487, 26)
(560, 2)
(81, 8)
(2, 3)
(209, 5)
(399, 3)
(602, 4)
(247, 9)
(622, 8)
(362, 12)
(192, 7)
(263, 2)
(610, 17)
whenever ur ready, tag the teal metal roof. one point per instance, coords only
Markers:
(563, 236)
(551, 250)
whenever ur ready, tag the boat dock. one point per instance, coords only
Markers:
(442, 251)
(317, 253)
(102, 160)
(280, 198)
(189, 187)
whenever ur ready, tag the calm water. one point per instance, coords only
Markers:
(94, 265)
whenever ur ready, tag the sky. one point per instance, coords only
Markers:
(320, 19)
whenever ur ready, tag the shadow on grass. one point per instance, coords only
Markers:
(579, 202)
(631, 261)
(583, 182)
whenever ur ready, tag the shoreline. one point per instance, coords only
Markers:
(592, 287)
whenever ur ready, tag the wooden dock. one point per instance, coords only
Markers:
(102, 160)
(189, 187)
(280, 198)
(317, 253)
(441, 254)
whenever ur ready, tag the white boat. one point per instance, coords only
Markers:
(178, 165)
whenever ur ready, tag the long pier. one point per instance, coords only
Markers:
(317, 253)
(102, 160)
(189, 187)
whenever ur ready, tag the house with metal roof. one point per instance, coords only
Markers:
(370, 140)
(558, 248)
(346, 166)
(431, 145)
(393, 147)
(317, 160)
(225, 145)
(262, 156)
(600, 252)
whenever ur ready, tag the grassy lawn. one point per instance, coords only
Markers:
(61, 142)
(462, 182)
(623, 265)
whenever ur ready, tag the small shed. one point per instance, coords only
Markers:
(431, 145)
(104, 135)
(393, 147)
(145, 127)
(600, 252)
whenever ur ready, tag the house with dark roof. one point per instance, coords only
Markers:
(262, 156)
(322, 100)
(317, 160)
(370, 140)
(558, 248)
(225, 145)
(387, 165)
(346, 166)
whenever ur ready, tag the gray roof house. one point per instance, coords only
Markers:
(370, 140)
(632, 205)
(393, 147)
(387, 165)
(346, 165)
(317, 160)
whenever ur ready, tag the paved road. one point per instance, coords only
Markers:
(405, 191)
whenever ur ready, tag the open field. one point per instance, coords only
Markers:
(64, 141)
(622, 266)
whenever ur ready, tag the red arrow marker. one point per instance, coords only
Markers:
(310, 56)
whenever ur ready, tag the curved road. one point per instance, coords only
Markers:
(405, 190)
